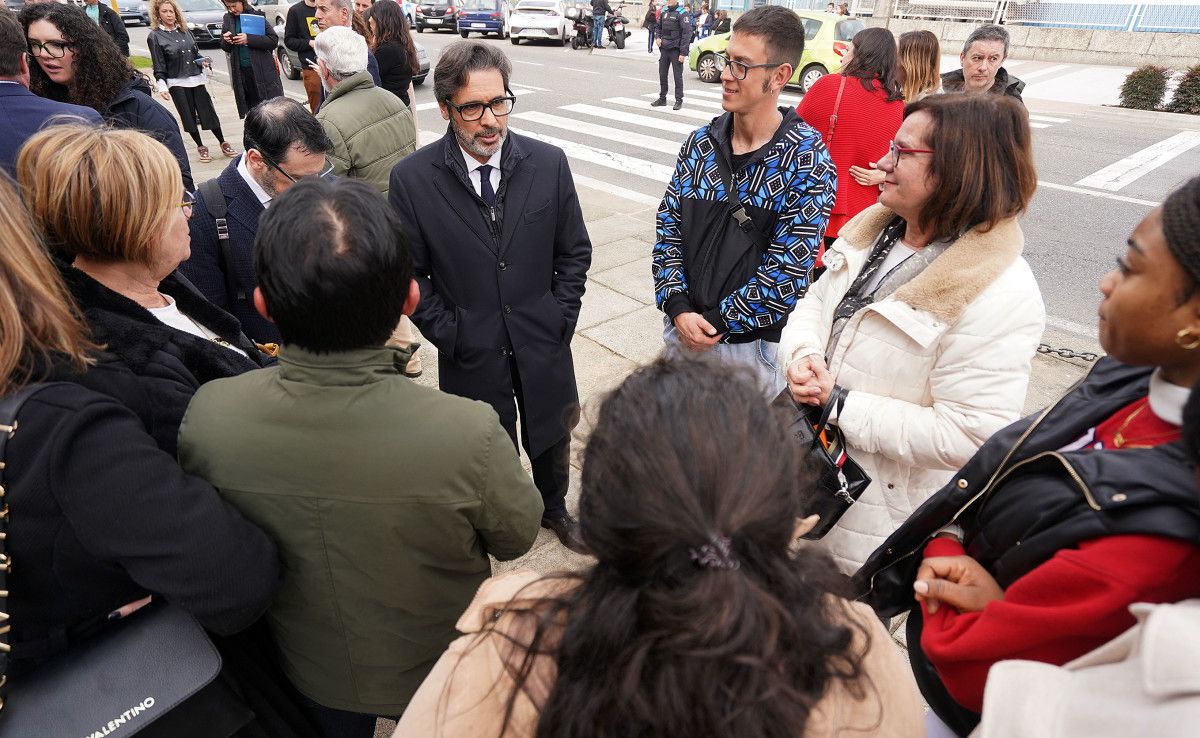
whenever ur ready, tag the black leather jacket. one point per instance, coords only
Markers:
(173, 54)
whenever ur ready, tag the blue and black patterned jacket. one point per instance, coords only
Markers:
(787, 187)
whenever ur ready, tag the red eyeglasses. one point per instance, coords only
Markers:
(895, 151)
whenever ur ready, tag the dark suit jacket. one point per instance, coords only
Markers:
(23, 114)
(490, 295)
(207, 269)
(112, 24)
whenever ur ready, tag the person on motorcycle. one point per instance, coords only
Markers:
(600, 9)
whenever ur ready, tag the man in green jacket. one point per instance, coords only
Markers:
(384, 497)
(371, 128)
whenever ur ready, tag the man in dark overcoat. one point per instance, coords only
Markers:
(501, 255)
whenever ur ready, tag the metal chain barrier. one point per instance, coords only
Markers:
(1066, 353)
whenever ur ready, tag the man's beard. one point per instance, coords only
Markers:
(472, 145)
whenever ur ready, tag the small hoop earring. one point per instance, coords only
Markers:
(1186, 340)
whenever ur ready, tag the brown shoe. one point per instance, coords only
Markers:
(205, 157)
(567, 529)
(228, 150)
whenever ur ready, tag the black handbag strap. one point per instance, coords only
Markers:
(10, 407)
(837, 399)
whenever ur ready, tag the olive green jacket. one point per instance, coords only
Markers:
(384, 498)
(371, 130)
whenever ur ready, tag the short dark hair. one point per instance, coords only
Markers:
(12, 44)
(333, 264)
(459, 59)
(987, 32)
(875, 58)
(272, 126)
(982, 159)
(781, 28)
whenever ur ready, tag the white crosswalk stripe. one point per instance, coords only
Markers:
(622, 163)
(783, 99)
(622, 116)
(630, 102)
(599, 131)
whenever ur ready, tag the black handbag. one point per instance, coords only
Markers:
(840, 480)
(113, 684)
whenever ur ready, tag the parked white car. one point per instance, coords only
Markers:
(540, 20)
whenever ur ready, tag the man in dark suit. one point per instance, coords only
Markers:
(501, 255)
(23, 113)
(108, 19)
(283, 143)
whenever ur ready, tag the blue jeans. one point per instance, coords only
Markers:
(757, 356)
(598, 30)
(650, 42)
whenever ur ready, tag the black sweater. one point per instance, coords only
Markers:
(395, 69)
(299, 29)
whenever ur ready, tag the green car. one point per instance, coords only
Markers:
(826, 39)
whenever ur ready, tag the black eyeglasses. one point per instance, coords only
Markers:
(52, 49)
(500, 107)
(271, 163)
(738, 69)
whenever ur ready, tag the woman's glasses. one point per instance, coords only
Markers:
(52, 49)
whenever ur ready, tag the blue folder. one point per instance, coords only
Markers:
(254, 24)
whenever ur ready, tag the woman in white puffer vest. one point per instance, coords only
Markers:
(928, 316)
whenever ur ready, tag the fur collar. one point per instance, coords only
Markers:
(955, 278)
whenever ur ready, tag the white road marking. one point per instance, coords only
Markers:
(696, 103)
(622, 163)
(635, 79)
(1048, 119)
(532, 64)
(1043, 72)
(1038, 125)
(597, 131)
(581, 71)
(612, 189)
(1093, 193)
(1115, 176)
(631, 118)
(786, 99)
(630, 102)
(1070, 326)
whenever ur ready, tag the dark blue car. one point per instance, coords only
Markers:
(484, 17)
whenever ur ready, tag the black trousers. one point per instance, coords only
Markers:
(552, 467)
(249, 86)
(669, 59)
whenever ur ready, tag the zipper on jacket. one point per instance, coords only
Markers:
(492, 224)
(1087, 492)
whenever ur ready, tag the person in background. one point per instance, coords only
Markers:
(844, 9)
(650, 23)
(920, 57)
(24, 113)
(108, 19)
(78, 63)
(101, 519)
(415, 487)
(299, 34)
(332, 13)
(699, 616)
(928, 314)
(674, 38)
(983, 70)
(119, 247)
(392, 43)
(181, 74)
(362, 6)
(704, 21)
(600, 10)
(722, 289)
(830, 8)
(722, 23)
(251, 58)
(284, 143)
(864, 101)
(1090, 506)
(501, 254)
(371, 129)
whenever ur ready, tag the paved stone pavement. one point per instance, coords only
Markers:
(619, 327)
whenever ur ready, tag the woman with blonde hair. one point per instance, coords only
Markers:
(109, 204)
(920, 70)
(181, 74)
(99, 519)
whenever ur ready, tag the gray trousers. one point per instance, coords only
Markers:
(757, 356)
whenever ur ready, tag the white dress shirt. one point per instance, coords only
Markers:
(255, 187)
(473, 170)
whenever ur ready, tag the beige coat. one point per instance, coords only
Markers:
(1144, 682)
(466, 693)
(932, 370)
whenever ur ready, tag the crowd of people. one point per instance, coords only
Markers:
(219, 416)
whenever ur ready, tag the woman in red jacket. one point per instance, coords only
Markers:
(857, 130)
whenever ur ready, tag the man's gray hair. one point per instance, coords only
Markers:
(343, 51)
(987, 33)
(343, 5)
(459, 59)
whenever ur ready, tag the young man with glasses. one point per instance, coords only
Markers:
(745, 211)
(283, 143)
(501, 254)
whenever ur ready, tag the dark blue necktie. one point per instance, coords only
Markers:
(485, 185)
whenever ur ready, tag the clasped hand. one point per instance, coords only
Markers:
(809, 380)
(696, 333)
(958, 581)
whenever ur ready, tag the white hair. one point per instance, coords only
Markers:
(343, 51)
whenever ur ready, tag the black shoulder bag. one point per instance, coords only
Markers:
(214, 202)
(113, 684)
(840, 480)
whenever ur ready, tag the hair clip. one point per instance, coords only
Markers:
(716, 554)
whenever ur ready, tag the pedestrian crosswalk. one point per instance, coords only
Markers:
(620, 145)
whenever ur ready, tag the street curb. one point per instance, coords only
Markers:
(1154, 116)
(216, 75)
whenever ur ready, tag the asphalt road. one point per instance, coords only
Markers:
(596, 106)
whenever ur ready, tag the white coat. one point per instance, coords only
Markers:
(932, 370)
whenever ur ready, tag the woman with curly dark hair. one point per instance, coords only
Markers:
(78, 63)
(393, 46)
(700, 617)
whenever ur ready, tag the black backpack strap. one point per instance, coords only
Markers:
(214, 201)
(735, 205)
(10, 407)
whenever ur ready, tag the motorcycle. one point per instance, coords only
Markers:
(616, 26)
(583, 29)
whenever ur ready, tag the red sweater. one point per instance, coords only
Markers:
(866, 123)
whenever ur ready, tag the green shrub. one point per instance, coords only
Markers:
(140, 62)
(1144, 88)
(1187, 95)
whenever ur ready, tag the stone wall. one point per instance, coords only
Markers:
(1070, 45)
